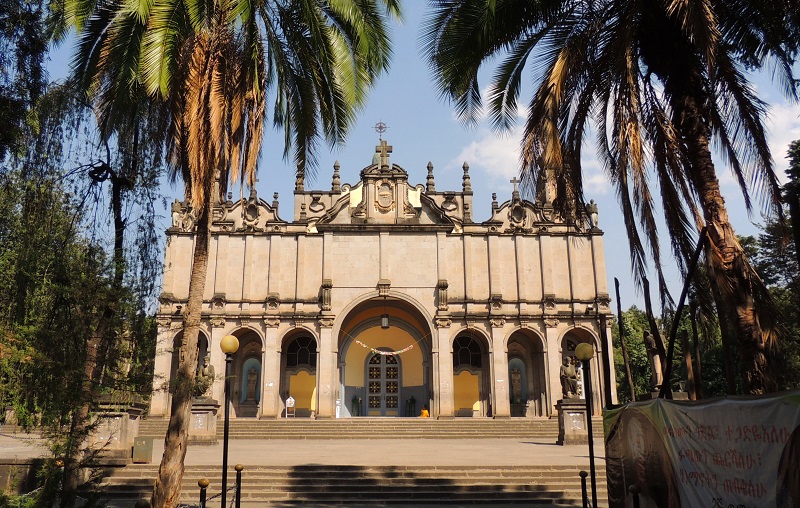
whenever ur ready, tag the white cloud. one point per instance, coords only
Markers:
(783, 126)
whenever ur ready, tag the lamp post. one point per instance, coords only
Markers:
(229, 345)
(585, 352)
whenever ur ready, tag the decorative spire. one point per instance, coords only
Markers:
(494, 201)
(275, 201)
(336, 183)
(431, 185)
(466, 184)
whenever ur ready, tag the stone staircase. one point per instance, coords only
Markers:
(543, 429)
(320, 485)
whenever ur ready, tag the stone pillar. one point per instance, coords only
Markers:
(500, 383)
(271, 406)
(218, 361)
(327, 366)
(553, 361)
(444, 390)
(160, 401)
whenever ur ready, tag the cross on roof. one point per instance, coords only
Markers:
(515, 182)
(384, 149)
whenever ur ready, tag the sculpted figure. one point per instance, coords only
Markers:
(516, 386)
(569, 379)
(205, 379)
(252, 381)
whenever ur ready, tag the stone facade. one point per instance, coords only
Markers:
(382, 297)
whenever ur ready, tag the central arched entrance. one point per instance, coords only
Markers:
(385, 360)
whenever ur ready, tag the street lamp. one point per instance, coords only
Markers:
(229, 345)
(585, 352)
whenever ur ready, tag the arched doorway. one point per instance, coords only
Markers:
(299, 367)
(527, 375)
(471, 379)
(202, 352)
(384, 360)
(247, 370)
(570, 341)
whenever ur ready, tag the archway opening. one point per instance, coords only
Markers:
(527, 375)
(248, 372)
(570, 341)
(385, 360)
(299, 367)
(471, 380)
(202, 352)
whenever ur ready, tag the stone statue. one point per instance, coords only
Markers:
(657, 376)
(252, 381)
(516, 386)
(591, 212)
(177, 215)
(204, 379)
(569, 379)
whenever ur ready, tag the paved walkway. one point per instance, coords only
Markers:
(412, 452)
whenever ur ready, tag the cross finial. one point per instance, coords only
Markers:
(384, 149)
(515, 182)
(515, 194)
(380, 128)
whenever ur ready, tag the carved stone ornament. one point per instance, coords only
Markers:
(326, 321)
(441, 294)
(383, 287)
(550, 322)
(325, 294)
(497, 322)
(164, 321)
(273, 301)
(604, 300)
(217, 321)
(449, 203)
(360, 210)
(443, 322)
(272, 322)
(218, 301)
(316, 205)
(549, 302)
(517, 215)
(384, 201)
(496, 301)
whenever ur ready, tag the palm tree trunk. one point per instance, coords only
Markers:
(170, 473)
(727, 262)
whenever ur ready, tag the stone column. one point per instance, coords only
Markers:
(444, 389)
(554, 362)
(159, 403)
(502, 403)
(218, 361)
(271, 377)
(327, 366)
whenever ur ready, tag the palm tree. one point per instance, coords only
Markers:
(212, 67)
(659, 81)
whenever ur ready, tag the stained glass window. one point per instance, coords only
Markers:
(302, 351)
(467, 351)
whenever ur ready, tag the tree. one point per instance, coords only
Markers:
(660, 80)
(213, 66)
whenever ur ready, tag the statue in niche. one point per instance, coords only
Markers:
(516, 386)
(591, 212)
(204, 379)
(252, 382)
(569, 379)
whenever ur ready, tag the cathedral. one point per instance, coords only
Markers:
(381, 298)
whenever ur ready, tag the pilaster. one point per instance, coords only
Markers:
(326, 391)
(554, 362)
(271, 371)
(502, 403)
(444, 390)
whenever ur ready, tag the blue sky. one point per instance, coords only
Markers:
(422, 127)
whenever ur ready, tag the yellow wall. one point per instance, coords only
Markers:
(465, 390)
(392, 338)
(301, 387)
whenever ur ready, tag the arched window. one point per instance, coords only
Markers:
(302, 351)
(467, 351)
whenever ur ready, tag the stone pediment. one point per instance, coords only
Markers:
(383, 199)
(251, 215)
(522, 216)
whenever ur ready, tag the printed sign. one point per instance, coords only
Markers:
(741, 452)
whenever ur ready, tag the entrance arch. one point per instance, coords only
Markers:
(527, 375)
(471, 379)
(384, 360)
(299, 368)
(248, 373)
(569, 342)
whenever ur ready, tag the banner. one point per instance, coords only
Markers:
(734, 452)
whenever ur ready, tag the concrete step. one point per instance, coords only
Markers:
(348, 485)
